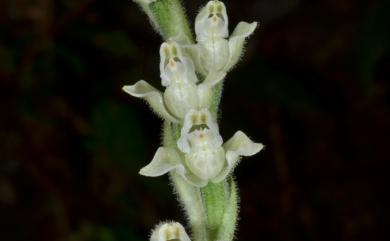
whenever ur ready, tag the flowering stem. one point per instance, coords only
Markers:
(212, 210)
(191, 199)
(168, 17)
(189, 196)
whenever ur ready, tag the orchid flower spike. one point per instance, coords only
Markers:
(201, 156)
(169, 231)
(183, 92)
(213, 51)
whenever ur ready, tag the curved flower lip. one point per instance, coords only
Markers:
(168, 231)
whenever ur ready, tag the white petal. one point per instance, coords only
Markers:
(189, 119)
(212, 21)
(174, 66)
(164, 160)
(143, 90)
(237, 40)
(199, 22)
(169, 231)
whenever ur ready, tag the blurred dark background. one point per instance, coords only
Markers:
(313, 87)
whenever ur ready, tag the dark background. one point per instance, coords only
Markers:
(313, 87)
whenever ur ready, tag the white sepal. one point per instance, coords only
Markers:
(237, 146)
(169, 231)
(242, 145)
(237, 40)
(154, 97)
(168, 160)
(164, 161)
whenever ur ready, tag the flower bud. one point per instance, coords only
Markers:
(174, 67)
(169, 232)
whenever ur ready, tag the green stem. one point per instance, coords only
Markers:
(168, 18)
(144, 4)
(192, 202)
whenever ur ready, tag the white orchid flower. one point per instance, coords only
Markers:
(168, 232)
(213, 51)
(201, 156)
(183, 92)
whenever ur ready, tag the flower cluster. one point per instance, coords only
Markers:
(190, 74)
(199, 155)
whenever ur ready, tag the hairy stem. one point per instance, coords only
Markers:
(191, 200)
(212, 212)
(168, 18)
